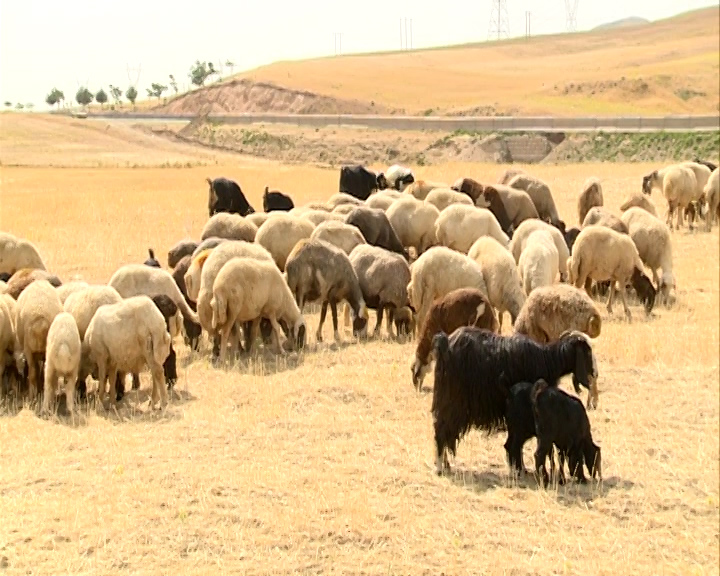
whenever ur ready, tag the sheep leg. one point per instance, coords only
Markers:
(323, 313)
(136, 381)
(159, 392)
(113, 374)
(611, 297)
(625, 306)
(561, 470)
(224, 338)
(102, 377)
(70, 393)
(389, 323)
(32, 376)
(49, 390)
(541, 454)
(333, 311)
(279, 336)
(378, 325)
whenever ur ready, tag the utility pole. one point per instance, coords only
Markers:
(338, 43)
(527, 24)
(499, 21)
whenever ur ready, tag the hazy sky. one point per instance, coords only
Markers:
(49, 43)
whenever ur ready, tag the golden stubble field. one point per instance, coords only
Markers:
(324, 463)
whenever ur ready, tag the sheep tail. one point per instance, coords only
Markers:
(151, 253)
(219, 311)
(538, 388)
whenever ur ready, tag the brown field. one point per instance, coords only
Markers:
(666, 67)
(323, 463)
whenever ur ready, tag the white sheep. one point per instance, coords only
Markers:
(383, 199)
(69, 288)
(126, 337)
(137, 279)
(83, 304)
(652, 239)
(712, 197)
(317, 217)
(540, 195)
(678, 184)
(280, 234)
(441, 198)
(436, 272)
(230, 226)
(517, 244)
(504, 288)
(421, 188)
(259, 218)
(459, 226)
(341, 198)
(344, 236)
(246, 290)
(62, 360)
(539, 260)
(17, 253)
(414, 223)
(398, 177)
(36, 308)
(602, 254)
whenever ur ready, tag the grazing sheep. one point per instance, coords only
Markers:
(541, 197)
(383, 199)
(550, 311)
(124, 338)
(399, 177)
(193, 331)
(276, 201)
(383, 277)
(710, 165)
(570, 237)
(508, 175)
(230, 227)
(83, 304)
(36, 308)
(652, 240)
(414, 223)
(246, 290)
(317, 270)
(376, 229)
(519, 239)
(494, 203)
(600, 254)
(472, 367)
(259, 218)
(280, 234)
(600, 216)
(26, 276)
(641, 201)
(317, 217)
(712, 196)
(137, 279)
(461, 307)
(225, 195)
(152, 261)
(18, 253)
(69, 288)
(7, 337)
(180, 250)
(504, 288)
(517, 203)
(591, 196)
(62, 360)
(678, 184)
(538, 264)
(468, 186)
(437, 272)
(459, 226)
(169, 310)
(441, 198)
(421, 188)
(339, 234)
(208, 244)
(561, 420)
(342, 198)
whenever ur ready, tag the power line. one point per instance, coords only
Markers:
(571, 8)
(499, 21)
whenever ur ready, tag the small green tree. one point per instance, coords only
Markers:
(116, 93)
(200, 72)
(7, 103)
(55, 97)
(131, 94)
(101, 97)
(173, 84)
(83, 96)
(156, 90)
(29, 105)
(19, 106)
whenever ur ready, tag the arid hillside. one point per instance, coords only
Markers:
(666, 67)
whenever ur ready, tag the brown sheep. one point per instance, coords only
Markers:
(590, 197)
(509, 174)
(468, 186)
(518, 204)
(460, 307)
(26, 276)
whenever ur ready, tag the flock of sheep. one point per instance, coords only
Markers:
(444, 262)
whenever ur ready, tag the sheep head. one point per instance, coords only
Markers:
(360, 321)
(585, 372)
(647, 182)
(667, 283)
(419, 369)
(644, 288)
(299, 331)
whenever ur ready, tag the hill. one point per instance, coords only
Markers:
(623, 23)
(666, 67)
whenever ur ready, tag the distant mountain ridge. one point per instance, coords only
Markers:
(623, 23)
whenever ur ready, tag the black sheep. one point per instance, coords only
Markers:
(276, 200)
(561, 420)
(469, 392)
(152, 261)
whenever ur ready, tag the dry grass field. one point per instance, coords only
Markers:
(666, 67)
(323, 463)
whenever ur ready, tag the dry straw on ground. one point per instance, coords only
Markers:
(323, 463)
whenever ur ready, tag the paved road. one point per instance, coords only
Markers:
(450, 124)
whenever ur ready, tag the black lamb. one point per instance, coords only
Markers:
(276, 200)
(469, 391)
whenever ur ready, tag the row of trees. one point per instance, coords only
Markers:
(199, 73)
